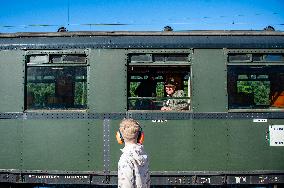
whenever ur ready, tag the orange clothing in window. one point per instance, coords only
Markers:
(278, 99)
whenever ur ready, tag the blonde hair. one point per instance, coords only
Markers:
(129, 129)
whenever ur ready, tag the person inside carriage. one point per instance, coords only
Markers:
(172, 92)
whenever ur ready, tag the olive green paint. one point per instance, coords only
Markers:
(209, 80)
(114, 146)
(210, 145)
(107, 81)
(249, 149)
(12, 81)
(10, 144)
(95, 145)
(169, 144)
(172, 145)
(205, 145)
(70, 145)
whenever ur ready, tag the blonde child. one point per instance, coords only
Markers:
(133, 165)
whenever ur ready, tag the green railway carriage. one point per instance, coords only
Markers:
(63, 95)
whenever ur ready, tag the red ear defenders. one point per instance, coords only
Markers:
(140, 138)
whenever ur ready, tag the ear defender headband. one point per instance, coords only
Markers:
(140, 138)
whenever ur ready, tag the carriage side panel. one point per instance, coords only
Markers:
(209, 75)
(108, 76)
(11, 81)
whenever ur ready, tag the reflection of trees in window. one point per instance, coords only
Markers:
(160, 87)
(256, 87)
(56, 87)
(259, 89)
(134, 85)
(80, 93)
(38, 93)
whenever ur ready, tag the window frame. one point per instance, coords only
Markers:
(164, 64)
(227, 52)
(49, 54)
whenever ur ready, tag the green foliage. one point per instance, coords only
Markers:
(40, 92)
(80, 93)
(133, 87)
(260, 90)
(160, 89)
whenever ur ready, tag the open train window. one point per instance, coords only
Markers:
(53, 83)
(147, 79)
(256, 87)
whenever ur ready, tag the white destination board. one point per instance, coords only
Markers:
(276, 135)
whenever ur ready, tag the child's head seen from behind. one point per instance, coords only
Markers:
(129, 129)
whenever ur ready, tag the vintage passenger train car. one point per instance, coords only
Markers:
(63, 95)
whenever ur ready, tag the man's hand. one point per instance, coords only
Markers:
(166, 108)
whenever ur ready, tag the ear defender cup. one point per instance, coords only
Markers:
(140, 138)
(119, 137)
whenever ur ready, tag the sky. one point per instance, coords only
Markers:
(139, 15)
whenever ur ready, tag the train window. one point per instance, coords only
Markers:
(74, 58)
(57, 58)
(170, 57)
(38, 59)
(177, 57)
(70, 58)
(273, 57)
(140, 57)
(256, 87)
(159, 57)
(180, 57)
(239, 57)
(268, 57)
(56, 86)
(146, 87)
(257, 57)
